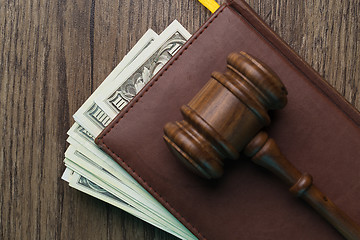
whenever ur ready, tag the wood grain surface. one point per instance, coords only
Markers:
(55, 53)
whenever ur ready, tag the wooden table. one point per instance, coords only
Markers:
(55, 53)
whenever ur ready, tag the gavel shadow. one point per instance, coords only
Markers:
(243, 168)
(246, 183)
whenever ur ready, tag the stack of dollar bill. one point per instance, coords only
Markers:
(93, 172)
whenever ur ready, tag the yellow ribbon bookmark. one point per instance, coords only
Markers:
(210, 4)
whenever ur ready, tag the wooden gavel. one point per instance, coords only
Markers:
(226, 117)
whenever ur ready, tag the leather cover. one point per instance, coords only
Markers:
(318, 131)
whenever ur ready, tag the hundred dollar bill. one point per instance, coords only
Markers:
(85, 166)
(96, 166)
(86, 186)
(83, 184)
(90, 115)
(130, 81)
(107, 166)
(82, 140)
(74, 160)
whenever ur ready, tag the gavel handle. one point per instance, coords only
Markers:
(265, 152)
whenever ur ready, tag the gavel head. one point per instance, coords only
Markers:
(225, 115)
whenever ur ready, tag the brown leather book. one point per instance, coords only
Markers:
(318, 131)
